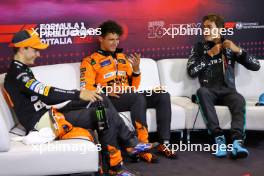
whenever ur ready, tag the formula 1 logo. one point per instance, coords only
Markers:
(7, 31)
(53, 33)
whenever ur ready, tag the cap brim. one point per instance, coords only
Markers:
(33, 42)
(40, 46)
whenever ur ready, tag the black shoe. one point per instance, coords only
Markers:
(167, 151)
(149, 157)
(121, 170)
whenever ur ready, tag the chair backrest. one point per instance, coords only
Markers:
(149, 74)
(173, 74)
(64, 76)
(250, 83)
(6, 120)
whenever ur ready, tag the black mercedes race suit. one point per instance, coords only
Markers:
(29, 97)
(217, 80)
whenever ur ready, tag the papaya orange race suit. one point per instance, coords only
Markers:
(113, 68)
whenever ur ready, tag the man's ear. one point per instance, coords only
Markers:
(21, 50)
(100, 38)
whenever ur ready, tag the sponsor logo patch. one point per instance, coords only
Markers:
(28, 84)
(46, 90)
(122, 61)
(105, 63)
(41, 89)
(93, 62)
(33, 85)
(82, 84)
(122, 73)
(110, 74)
(34, 98)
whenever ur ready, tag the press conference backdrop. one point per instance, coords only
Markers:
(155, 28)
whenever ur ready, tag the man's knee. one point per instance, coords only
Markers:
(106, 99)
(239, 102)
(164, 97)
(141, 100)
(201, 92)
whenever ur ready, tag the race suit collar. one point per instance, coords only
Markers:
(16, 62)
(108, 53)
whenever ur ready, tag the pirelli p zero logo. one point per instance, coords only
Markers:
(38, 87)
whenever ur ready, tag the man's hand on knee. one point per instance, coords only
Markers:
(88, 95)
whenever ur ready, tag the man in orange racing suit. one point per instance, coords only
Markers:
(29, 98)
(111, 69)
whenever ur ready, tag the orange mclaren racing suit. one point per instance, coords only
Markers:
(105, 69)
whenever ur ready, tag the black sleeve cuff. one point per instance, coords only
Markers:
(136, 75)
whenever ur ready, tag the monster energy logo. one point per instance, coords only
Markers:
(99, 114)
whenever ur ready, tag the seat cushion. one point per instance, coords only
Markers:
(58, 157)
(254, 115)
(191, 110)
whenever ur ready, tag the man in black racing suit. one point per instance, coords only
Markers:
(213, 62)
(29, 98)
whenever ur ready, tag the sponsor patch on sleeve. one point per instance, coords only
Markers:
(82, 84)
(41, 89)
(20, 75)
(30, 82)
(46, 90)
(83, 69)
(25, 79)
(33, 85)
(37, 87)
